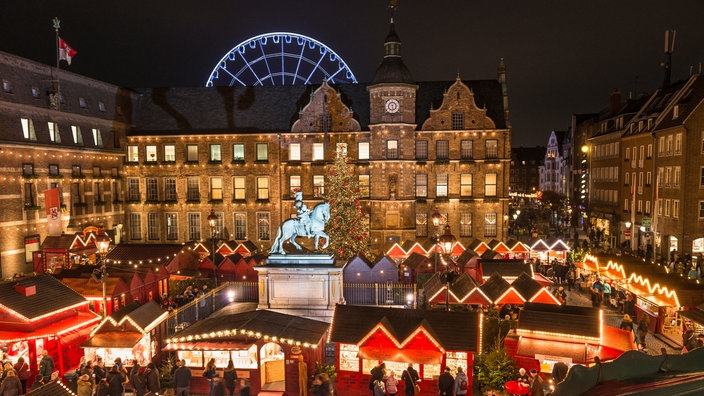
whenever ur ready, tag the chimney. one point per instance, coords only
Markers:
(615, 100)
(26, 290)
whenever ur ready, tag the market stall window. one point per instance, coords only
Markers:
(431, 371)
(456, 359)
(221, 357)
(349, 361)
(192, 358)
(368, 365)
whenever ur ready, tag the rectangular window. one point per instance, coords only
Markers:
(421, 224)
(678, 144)
(150, 153)
(421, 149)
(30, 195)
(101, 106)
(457, 120)
(667, 207)
(659, 204)
(54, 134)
(490, 226)
(640, 182)
(153, 226)
(466, 185)
(465, 224)
(215, 153)
(363, 150)
(76, 195)
(648, 178)
(442, 150)
(676, 177)
(318, 151)
(364, 186)
(27, 170)
(170, 189)
(192, 188)
(28, 129)
(82, 102)
(625, 205)
(392, 149)
(97, 137)
(262, 152)
(441, 185)
(135, 226)
(421, 185)
(647, 207)
(239, 188)
(466, 149)
(191, 153)
(701, 177)
(193, 226)
(701, 210)
(262, 188)
(217, 230)
(641, 157)
(668, 145)
(492, 149)
(628, 154)
(490, 185)
(77, 135)
(294, 184)
(132, 153)
(238, 152)
(676, 208)
(133, 194)
(294, 152)
(216, 188)
(240, 226)
(639, 206)
(263, 228)
(650, 151)
(53, 170)
(152, 189)
(318, 186)
(171, 226)
(169, 153)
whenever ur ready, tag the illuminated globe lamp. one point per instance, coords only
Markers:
(436, 218)
(212, 220)
(447, 240)
(102, 243)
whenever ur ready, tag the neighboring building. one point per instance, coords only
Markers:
(71, 139)
(525, 169)
(555, 173)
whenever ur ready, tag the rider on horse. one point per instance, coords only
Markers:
(303, 214)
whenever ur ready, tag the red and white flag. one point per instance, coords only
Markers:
(65, 51)
(53, 211)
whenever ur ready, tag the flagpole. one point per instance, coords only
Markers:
(57, 24)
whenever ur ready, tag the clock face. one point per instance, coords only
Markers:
(391, 106)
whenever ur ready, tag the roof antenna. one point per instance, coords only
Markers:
(669, 49)
(393, 5)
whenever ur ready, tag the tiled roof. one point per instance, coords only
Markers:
(415, 260)
(494, 287)
(463, 285)
(51, 295)
(560, 319)
(526, 286)
(270, 323)
(465, 257)
(506, 268)
(352, 322)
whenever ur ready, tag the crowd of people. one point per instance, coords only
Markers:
(382, 383)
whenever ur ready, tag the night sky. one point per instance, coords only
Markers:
(562, 57)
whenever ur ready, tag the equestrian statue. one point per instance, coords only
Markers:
(308, 223)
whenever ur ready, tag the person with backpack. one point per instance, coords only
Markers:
(461, 382)
(410, 380)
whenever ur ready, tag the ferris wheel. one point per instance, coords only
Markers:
(280, 59)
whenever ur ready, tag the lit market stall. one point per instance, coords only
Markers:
(135, 331)
(431, 340)
(263, 345)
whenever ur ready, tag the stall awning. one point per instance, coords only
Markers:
(531, 347)
(420, 356)
(113, 339)
(208, 346)
(77, 322)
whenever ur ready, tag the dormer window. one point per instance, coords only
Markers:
(28, 129)
(675, 112)
(82, 103)
(35, 93)
(7, 86)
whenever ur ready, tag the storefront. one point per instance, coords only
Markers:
(135, 332)
(263, 345)
(40, 313)
(367, 336)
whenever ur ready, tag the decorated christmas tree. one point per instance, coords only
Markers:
(349, 223)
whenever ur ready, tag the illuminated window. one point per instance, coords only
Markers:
(216, 188)
(363, 148)
(318, 152)
(263, 226)
(239, 188)
(153, 225)
(215, 153)
(77, 135)
(490, 227)
(294, 152)
(171, 226)
(170, 189)
(441, 185)
(465, 224)
(133, 194)
(421, 185)
(194, 226)
(492, 149)
(192, 188)
(392, 149)
(30, 195)
(191, 153)
(490, 185)
(28, 129)
(54, 134)
(135, 226)
(318, 186)
(466, 149)
(240, 226)
(466, 185)
(341, 149)
(262, 188)
(364, 186)
(676, 208)
(152, 189)
(262, 152)
(294, 184)
(169, 153)
(238, 152)
(150, 153)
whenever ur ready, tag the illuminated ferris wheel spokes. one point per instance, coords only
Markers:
(280, 59)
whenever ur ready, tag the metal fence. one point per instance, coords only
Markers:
(402, 294)
(205, 305)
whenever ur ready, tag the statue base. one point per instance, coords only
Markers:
(306, 285)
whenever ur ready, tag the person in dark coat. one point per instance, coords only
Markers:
(182, 379)
(244, 387)
(115, 380)
(229, 376)
(626, 323)
(152, 377)
(11, 385)
(218, 387)
(536, 384)
(23, 373)
(103, 388)
(378, 373)
(446, 383)
(99, 370)
(139, 383)
(410, 377)
(46, 366)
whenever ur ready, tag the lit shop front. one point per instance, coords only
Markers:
(264, 346)
(368, 336)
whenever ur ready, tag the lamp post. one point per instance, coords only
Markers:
(447, 240)
(437, 219)
(212, 220)
(629, 234)
(102, 242)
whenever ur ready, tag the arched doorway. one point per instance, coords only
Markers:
(271, 361)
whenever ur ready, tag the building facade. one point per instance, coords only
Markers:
(525, 169)
(556, 171)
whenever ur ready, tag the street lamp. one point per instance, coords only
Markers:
(447, 240)
(437, 219)
(102, 242)
(212, 220)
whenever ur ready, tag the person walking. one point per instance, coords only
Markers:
(536, 384)
(211, 374)
(643, 327)
(11, 385)
(378, 373)
(461, 382)
(152, 378)
(115, 380)
(229, 375)
(23, 373)
(410, 380)
(139, 383)
(182, 379)
(46, 366)
(446, 383)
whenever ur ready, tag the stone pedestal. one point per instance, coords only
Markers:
(306, 285)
